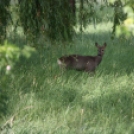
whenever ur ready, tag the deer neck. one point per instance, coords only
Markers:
(98, 59)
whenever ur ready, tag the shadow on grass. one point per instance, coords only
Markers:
(117, 104)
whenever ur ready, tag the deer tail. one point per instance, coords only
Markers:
(59, 62)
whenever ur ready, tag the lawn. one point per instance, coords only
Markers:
(41, 99)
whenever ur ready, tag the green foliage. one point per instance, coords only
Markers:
(4, 18)
(123, 17)
(87, 12)
(10, 54)
(119, 15)
(52, 18)
(93, 12)
(127, 28)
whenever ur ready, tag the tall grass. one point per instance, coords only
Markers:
(45, 100)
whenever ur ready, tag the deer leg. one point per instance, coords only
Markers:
(90, 71)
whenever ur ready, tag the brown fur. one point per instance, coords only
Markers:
(82, 63)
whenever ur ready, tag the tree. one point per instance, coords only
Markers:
(4, 16)
(123, 17)
(54, 18)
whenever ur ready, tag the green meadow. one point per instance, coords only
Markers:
(39, 98)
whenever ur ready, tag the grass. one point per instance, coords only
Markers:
(41, 99)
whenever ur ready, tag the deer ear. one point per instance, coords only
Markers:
(96, 44)
(105, 44)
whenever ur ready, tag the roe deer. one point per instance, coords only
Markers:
(82, 63)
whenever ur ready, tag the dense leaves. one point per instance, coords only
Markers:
(10, 54)
(53, 18)
(119, 15)
(4, 16)
(123, 17)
